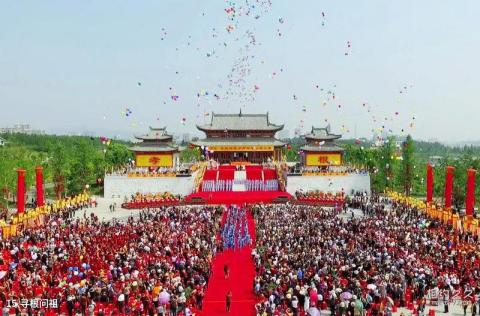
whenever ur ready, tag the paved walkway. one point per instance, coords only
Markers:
(240, 282)
(103, 210)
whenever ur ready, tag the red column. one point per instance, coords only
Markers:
(21, 191)
(470, 198)
(449, 187)
(429, 183)
(40, 199)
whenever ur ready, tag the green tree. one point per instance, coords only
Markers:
(407, 174)
(190, 155)
(383, 178)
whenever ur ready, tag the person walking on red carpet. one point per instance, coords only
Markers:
(228, 300)
(226, 271)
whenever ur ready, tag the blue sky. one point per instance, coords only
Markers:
(74, 66)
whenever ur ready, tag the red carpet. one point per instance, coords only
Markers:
(230, 197)
(240, 282)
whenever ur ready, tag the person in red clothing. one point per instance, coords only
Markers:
(228, 301)
(226, 271)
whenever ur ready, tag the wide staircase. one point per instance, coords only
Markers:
(226, 185)
(239, 181)
(227, 178)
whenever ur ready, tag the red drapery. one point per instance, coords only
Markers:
(429, 183)
(20, 190)
(449, 187)
(470, 198)
(40, 198)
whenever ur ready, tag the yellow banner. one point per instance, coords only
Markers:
(241, 148)
(323, 159)
(156, 160)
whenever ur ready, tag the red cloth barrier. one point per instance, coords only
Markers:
(230, 197)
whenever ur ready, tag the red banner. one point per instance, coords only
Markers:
(449, 187)
(40, 198)
(20, 190)
(429, 183)
(470, 198)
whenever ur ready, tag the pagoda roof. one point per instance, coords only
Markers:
(322, 133)
(154, 148)
(250, 141)
(155, 133)
(331, 148)
(240, 122)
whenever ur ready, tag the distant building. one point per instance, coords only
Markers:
(320, 148)
(155, 149)
(241, 138)
(21, 129)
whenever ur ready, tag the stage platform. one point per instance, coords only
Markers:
(230, 197)
(123, 186)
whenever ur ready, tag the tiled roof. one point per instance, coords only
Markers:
(322, 148)
(322, 133)
(156, 133)
(240, 122)
(141, 148)
(235, 141)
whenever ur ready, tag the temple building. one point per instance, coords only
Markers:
(320, 148)
(241, 139)
(155, 149)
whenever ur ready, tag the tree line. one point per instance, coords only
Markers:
(71, 162)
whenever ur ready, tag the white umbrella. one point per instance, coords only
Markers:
(313, 311)
(163, 297)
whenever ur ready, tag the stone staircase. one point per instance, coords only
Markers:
(239, 181)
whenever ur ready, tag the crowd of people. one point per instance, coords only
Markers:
(235, 232)
(308, 258)
(328, 170)
(156, 263)
(217, 185)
